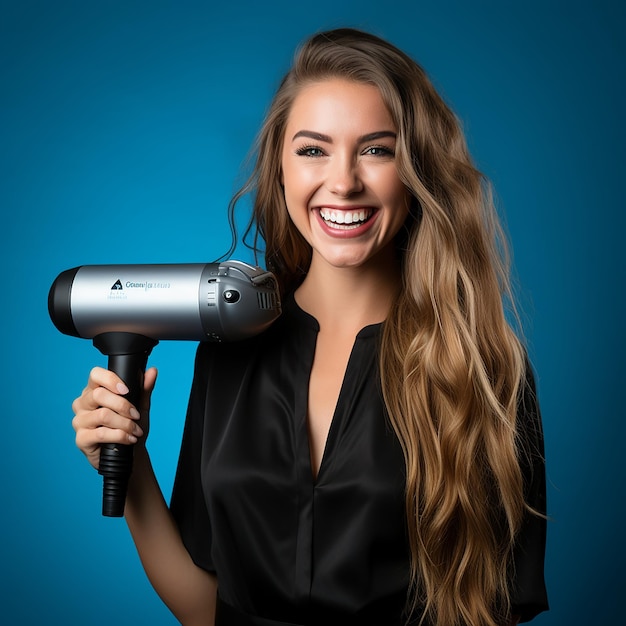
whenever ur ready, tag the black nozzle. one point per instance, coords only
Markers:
(59, 302)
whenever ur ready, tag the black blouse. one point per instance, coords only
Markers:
(287, 547)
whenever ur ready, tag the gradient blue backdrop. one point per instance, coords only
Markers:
(122, 129)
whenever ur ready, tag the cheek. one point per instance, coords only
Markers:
(399, 203)
(296, 209)
(298, 188)
(287, 183)
(298, 180)
(396, 195)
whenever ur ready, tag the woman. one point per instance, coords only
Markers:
(375, 457)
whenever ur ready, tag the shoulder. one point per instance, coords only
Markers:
(529, 414)
(529, 430)
(233, 355)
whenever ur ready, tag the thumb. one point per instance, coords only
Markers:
(149, 381)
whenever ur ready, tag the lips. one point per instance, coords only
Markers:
(345, 219)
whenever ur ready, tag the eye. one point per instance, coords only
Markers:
(379, 151)
(310, 151)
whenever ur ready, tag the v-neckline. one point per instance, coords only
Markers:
(334, 423)
(310, 322)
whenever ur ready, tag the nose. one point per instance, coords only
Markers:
(343, 177)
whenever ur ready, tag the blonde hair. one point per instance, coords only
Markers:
(451, 366)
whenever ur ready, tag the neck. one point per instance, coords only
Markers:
(348, 299)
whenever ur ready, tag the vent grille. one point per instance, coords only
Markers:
(267, 301)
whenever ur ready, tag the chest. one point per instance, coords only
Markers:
(308, 410)
(304, 538)
(328, 371)
(317, 536)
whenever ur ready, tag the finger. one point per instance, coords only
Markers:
(102, 397)
(149, 381)
(89, 440)
(92, 399)
(100, 377)
(106, 419)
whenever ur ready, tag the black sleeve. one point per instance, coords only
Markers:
(188, 505)
(529, 596)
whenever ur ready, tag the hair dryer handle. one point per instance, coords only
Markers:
(128, 356)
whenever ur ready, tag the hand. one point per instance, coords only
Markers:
(103, 415)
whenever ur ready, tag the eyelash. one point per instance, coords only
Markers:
(307, 150)
(384, 151)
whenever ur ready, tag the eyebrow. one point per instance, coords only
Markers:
(328, 139)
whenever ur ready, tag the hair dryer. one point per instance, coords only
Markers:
(127, 309)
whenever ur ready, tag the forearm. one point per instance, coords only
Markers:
(188, 591)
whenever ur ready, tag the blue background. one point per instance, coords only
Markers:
(123, 126)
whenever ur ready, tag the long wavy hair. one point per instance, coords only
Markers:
(451, 365)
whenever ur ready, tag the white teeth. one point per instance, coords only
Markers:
(344, 217)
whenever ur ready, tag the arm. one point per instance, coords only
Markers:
(189, 591)
(102, 415)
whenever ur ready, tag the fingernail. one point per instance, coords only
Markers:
(134, 413)
(137, 431)
(132, 438)
(122, 388)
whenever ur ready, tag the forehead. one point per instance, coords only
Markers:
(339, 105)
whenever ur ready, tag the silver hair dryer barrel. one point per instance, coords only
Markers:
(127, 309)
(197, 302)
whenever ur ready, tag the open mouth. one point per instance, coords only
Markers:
(345, 220)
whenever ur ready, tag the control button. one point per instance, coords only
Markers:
(231, 296)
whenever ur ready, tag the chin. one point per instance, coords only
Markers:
(344, 261)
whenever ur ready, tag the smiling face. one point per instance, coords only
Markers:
(341, 185)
